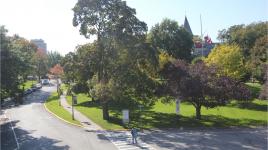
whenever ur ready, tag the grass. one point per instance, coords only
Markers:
(28, 84)
(53, 105)
(163, 115)
(93, 111)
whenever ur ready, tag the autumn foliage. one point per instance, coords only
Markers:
(56, 70)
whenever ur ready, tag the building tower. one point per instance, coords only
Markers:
(187, 26)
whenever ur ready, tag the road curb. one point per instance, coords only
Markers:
(61, 118)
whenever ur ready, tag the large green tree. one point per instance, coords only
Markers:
(118, 48)
(16, 62)
(41, 63)
(170, 37)
(54, 58)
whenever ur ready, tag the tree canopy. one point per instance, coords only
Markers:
(168, 36)
(118, 61)
(251, 39)
(230, 60)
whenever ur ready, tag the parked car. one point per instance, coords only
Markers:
(45, 82)
(34, 88)
(38, 86)
(28, 91)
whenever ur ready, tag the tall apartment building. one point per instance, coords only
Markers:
(40, 44)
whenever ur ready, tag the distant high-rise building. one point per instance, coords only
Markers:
(40, 44)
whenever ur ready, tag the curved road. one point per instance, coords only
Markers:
(30, 126)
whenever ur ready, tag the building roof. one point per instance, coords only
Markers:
(187, 26)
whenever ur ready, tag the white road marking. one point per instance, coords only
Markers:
(16, 139)
(123, 141)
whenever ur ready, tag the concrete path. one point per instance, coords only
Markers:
(86, 122)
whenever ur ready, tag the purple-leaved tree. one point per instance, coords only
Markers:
(201, 85)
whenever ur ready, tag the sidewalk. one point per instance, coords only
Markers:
(86, 122)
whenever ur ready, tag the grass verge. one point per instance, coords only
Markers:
(52, 105)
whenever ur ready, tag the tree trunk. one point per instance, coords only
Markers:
(198, 112)
(105, 111)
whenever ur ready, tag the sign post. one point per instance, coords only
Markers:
(74, 102)
(178, 101)
(141, 106)
(125, 116)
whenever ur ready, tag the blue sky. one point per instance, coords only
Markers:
(51, 20)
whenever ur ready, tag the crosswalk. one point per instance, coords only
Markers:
(123, 141)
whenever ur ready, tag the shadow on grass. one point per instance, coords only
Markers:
(89, 104)
(152, 119)
(250, 106)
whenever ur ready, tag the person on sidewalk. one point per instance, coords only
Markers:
(134, 134)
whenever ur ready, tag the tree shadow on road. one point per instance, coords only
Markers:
(26, 140)
(206, 139)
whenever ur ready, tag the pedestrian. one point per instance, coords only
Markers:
(134, 134)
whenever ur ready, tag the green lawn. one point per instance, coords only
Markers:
(28, 84)
(163, 115)
(53, 105)
(94, 112)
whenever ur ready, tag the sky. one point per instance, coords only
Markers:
(51, 20)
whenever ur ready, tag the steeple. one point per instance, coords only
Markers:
(187, 26)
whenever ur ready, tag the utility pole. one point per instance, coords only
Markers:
(201, 35)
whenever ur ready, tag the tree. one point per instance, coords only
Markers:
(118, 33)
(200, 85)
(40, 59)
(16, 62)
(56, 70)
(25, 50)
(258, 59)
(9, 63)
(169, 37)
(54, 58)
(69, 63)
(229, 58)
(246, 37)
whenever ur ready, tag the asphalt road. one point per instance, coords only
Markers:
(208, 139)
(31, 127)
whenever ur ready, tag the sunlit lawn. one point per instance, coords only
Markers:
(53, 105)
(163, 115)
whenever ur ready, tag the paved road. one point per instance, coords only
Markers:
(36, 129)
(123, 141)
(208, 139)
